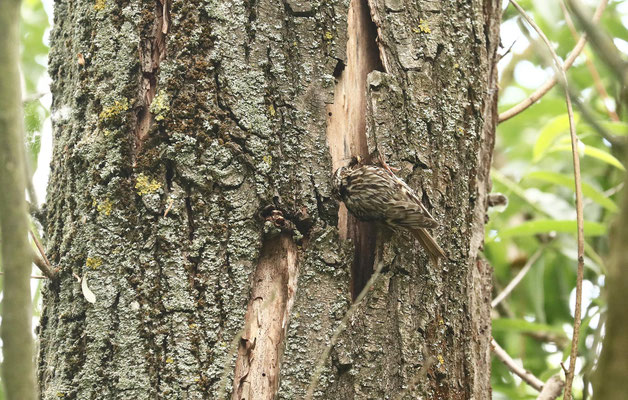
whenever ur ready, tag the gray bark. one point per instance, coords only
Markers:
(610, 374)
(194, 132)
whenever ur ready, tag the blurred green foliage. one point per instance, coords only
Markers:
(533, 167)
(34, 58)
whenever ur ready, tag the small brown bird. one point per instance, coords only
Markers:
(373, 193)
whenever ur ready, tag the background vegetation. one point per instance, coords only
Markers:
(532, 167)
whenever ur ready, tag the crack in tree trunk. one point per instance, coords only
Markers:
(152, 53)
(346, 130)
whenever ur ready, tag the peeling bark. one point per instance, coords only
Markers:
(188, 122)
(266, 321)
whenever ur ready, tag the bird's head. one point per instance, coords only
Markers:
(337, 182)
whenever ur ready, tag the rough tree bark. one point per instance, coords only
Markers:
(610, 375)
(194, 142)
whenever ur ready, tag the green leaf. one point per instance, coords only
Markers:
(535, 286)
(593, 152)
(550, 225)
(521, 325)
(568, 182)
(554, 128)
(615, 127)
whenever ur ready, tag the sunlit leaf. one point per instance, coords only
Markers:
(521, 325)
(553, 129)
(568, 182)
(613, 127)
(595, 153)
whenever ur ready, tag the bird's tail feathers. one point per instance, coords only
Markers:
(434, 251)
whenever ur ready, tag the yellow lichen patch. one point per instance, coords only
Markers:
(169, 360)
(268, 160)
(144, 185)
(160, 105)
(328, 36)
(106, 132)
(441, 360)
(93, 262)
(105, 206)
(423, 27)
(99, 5)
(271, 110)
(111, 112)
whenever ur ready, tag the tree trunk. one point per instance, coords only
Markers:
(612, 366)
(190, 189)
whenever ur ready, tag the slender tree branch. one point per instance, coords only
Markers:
(552, 388)
(562, 78)
(549, 390)
(42, 262)
(515, 281)
(512, 365)
(540, 92)
(32, 276)
(45, 269)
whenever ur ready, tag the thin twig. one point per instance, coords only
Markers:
(40, 248)
(527, 376)
(32, 276)
(614, 190)
(42, 263)
(515, 281)
(339, 329)
(562, 78)
(39, 262)
(540, 92)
